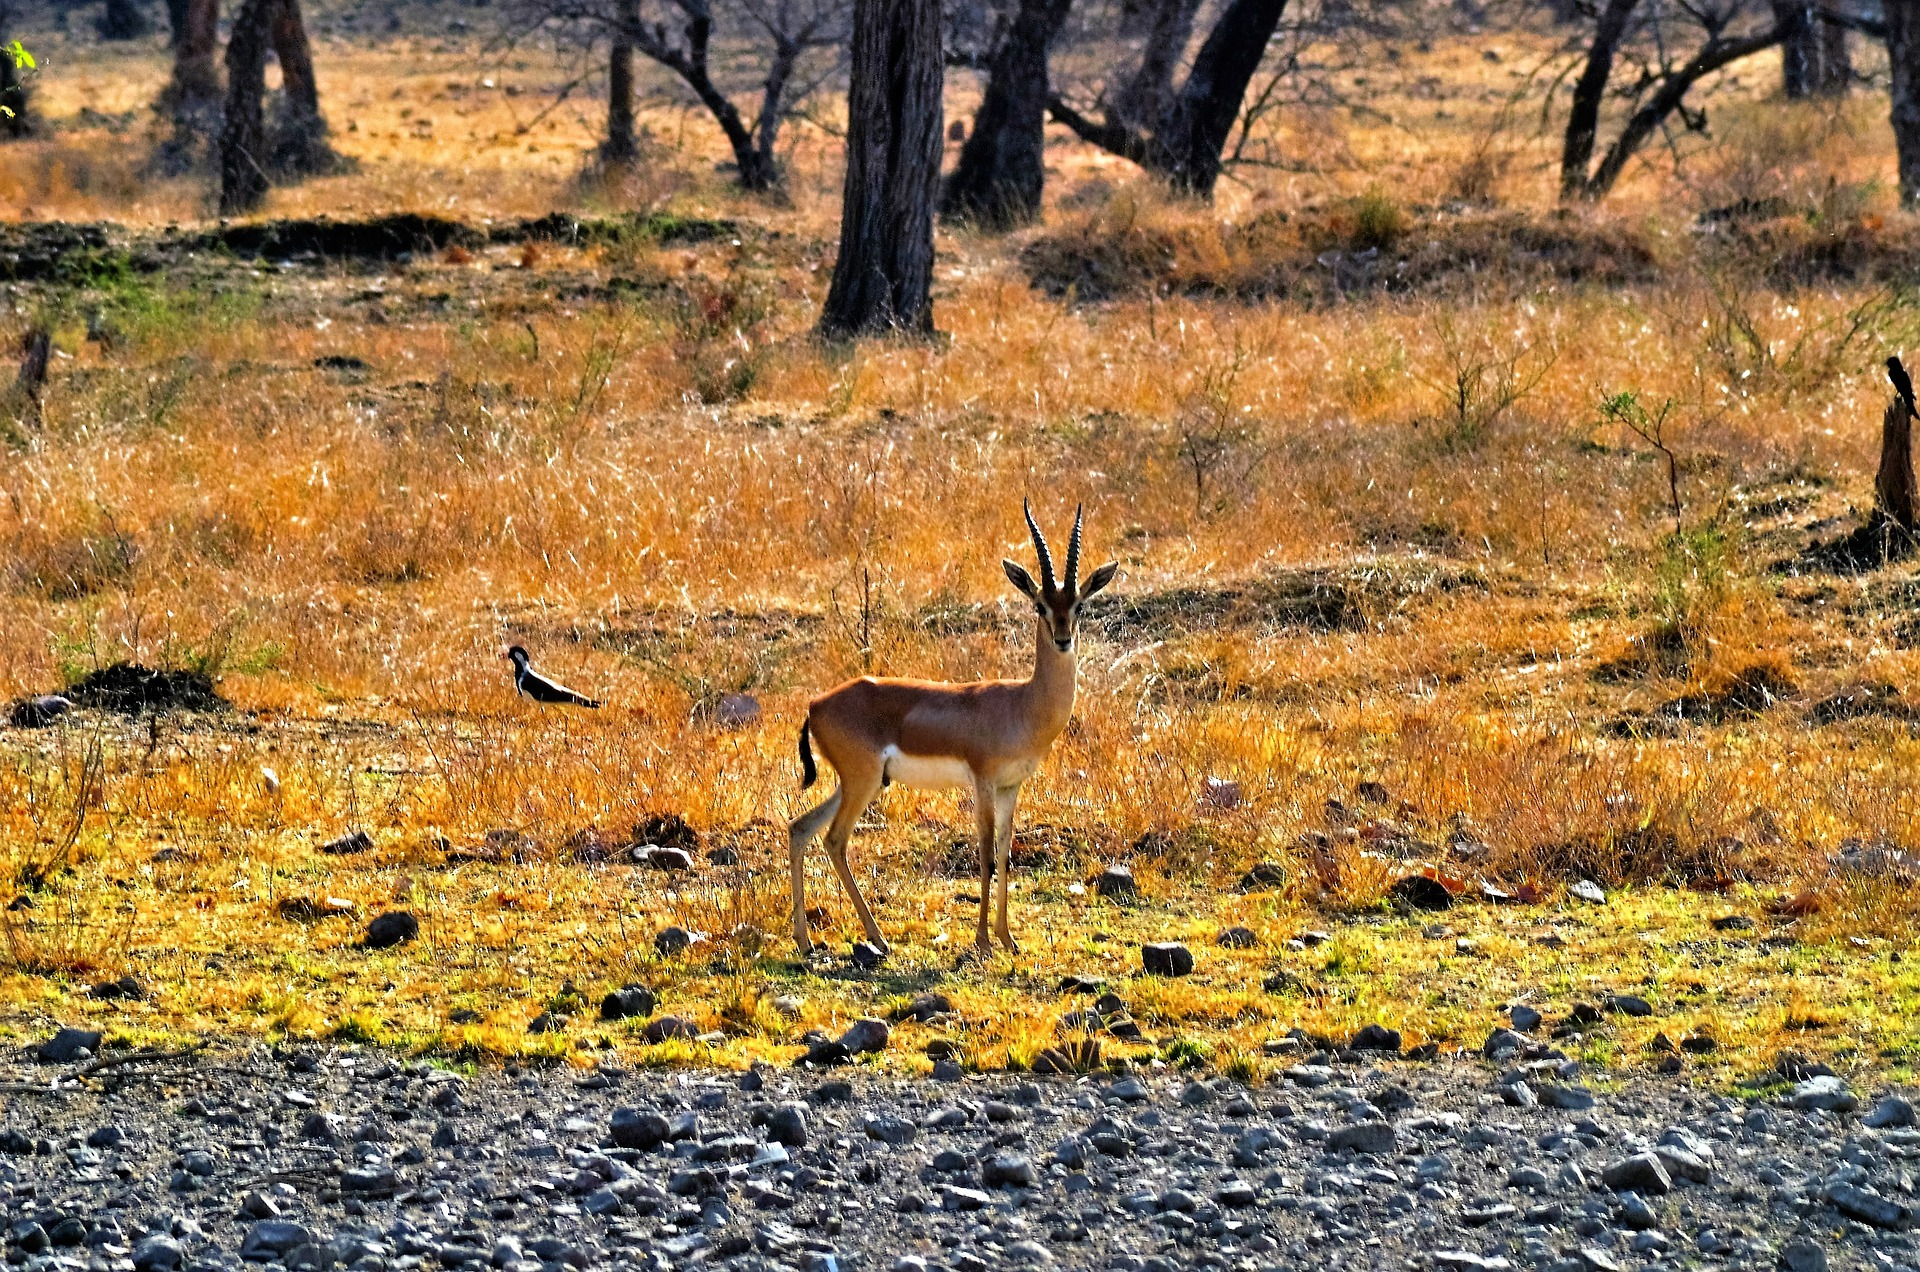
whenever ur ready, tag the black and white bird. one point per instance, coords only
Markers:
(539, 688)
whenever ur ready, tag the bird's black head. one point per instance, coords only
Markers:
(518, 655)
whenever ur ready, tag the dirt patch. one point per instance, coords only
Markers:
(131, 689)
(1870, 547)
(1872, 700)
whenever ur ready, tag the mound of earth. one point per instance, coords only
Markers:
(131, 689)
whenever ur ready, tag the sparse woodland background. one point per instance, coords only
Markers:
(1531, 479)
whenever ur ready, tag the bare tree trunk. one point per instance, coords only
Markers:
(1148, 93)
(1800, 71)
(196, 74)
(124, 20)
(620, 146)
(1893, 489)
(1903, 52)
(13, 89)
(883, 277)
(1002, 170)
(1195, 132)
(243, 177)
(690, 64)
(299, 144)
(1836, 61)
(1583, 118)
(176, 22)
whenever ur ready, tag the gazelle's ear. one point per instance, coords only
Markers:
(1099, 579)
(1018, 576)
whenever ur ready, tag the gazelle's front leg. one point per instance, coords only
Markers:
(1003, 806)
(799, 835)
(983, 814)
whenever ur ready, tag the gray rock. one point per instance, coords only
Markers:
(396, 927)
(1116, 882)
(1628, 1005)
(1571, 1098)
(1238, 938)
(787, 1125)
(1890, 1111)
(1167, 958)
(952, 1198)
(1588, 890)
(1467, 1261)
(272, 1238)
(892, 1131)
(867, 1034)
(642, 1129)
(1131, 1090)
(1824, 1092)
(157, 1254)
(65, 1047)
(1803, 1254)
(1868, 1207)
(370, 1181)
(1007, 1170)
(1640, 1173)
(1682, 1164)
(1376, 1038)
(1373, 1138)
(1637, 1213)
(1598, 1260)
(1525, 1019)
(671, 940)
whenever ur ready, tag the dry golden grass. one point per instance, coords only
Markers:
(1369, 532)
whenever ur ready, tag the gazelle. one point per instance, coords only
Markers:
(990, 736)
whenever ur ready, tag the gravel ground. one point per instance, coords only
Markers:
(313, 1159)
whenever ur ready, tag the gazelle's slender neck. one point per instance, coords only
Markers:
(1054, 676)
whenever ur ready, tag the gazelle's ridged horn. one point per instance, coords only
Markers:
(1040, 548)
(1073, 551)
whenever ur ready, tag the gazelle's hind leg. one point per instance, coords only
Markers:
(799, 835)
(855, 795)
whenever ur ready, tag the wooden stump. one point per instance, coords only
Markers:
(1893, 489)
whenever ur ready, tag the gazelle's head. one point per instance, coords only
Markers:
(1058, 604)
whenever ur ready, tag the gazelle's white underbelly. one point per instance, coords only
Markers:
(925, 772)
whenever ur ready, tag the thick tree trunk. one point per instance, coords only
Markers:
(299, 145)
(124, 20)
(1195, 131)
(883, 277)
(1146, 96)
(196, 74)
(243, 177)
(176, 22)
(1002, 172)
(620, 146)
(1903, 53)
(1836, 61)
(1893, 488)
(1583, 119)
(1800, 71)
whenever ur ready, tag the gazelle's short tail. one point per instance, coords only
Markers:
(808, 773)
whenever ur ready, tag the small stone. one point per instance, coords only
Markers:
(1236, 1194)
(1571, 1098)
(1891, 1111)
(157, 1254)
(787, 1125)
(66, 1046)
(670, 860)
(547, 1022)
(1007, 1170)
(925, 1007)
(1501, 1045)
(354, 841)
(669, 1028)
(1376, 1038)
(869, 1033)
(372, 1181)
(1588, 890)
(1640, 1173)
(1116, 883)
(1372, 1138)
(1868, 1207)
(1598, 1260)
(1238, 938)
(1525, 1019)
(643, 1129)
(1824, 1092)
(126, 988)
(867, 956)
(1733, 923)
(1167, 958)
(1628, 1005)
(671, 941)
(107, 1137)
(635, 1001)
(1132, 1090)
(736, 710)
(895, 1132)
(1264, 875)
(272, 1238)
(964, 1199)
(1803, 1254)
(396, 927)
(1421, 893)
(38, 711)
